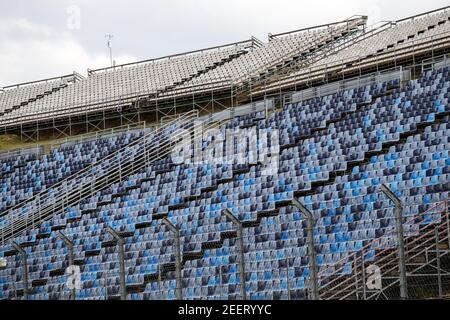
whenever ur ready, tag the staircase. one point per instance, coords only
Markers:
(60, 84)
(223, 61)
(297, 60)
(96, 177)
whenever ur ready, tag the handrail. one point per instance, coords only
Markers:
(291, 53)
(90, 167)
(90, 136)
(346, 84)
(327, 25)
(109, 104)
(46, 204)
(168, 57)
(423, 14)
(82, 137)
(74, 188)
(310, 58)
(316, 69)
(341, 279)
(392, 231)
(42, 81)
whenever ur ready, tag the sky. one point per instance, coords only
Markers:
(47, 38)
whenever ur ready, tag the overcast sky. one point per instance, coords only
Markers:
(46, 38)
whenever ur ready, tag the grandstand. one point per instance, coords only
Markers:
(313, 166)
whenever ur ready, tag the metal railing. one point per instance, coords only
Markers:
(374, 270)
(111, 169)
(347, 84)
(339, 27)
(319, 47)
(102, 134)
(73, 189)
(318, 69)
(38, 148)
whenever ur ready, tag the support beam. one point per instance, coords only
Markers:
(24, 269)
(314, 287)
(120, 243)
(176, 233)
(400, 239)
(69, 245)
(240, 239)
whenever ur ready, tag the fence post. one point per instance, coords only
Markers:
(355, 270)
(161, 296)
(363, 276)
(176, 233)
(288, 283)
(400, 239)
(438, 262)
(240, 239)
(314, 294)
(105, 278)
(221, 281)
(120, 242)
(24, 256)
(69, 245)
(446, 210)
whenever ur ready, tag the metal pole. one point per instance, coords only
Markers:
(355, 270)
(106, 280)
(69, 245)
(287, 280)
(314, 294)
(240, 240)
(161, 296)
(176, 232)
(446, 209)
(24, 268)
(400, 238)
(363, 275)
(438, 261)
(221, 282)
(120, 243)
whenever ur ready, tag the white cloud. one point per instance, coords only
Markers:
(43, 53)
(37, 39)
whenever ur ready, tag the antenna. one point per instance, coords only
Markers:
(109, 43)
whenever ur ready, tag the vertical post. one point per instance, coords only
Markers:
(446, 210)
(24, 268)
(176, 233)
(120, 243)
(105, 276)
(438, 262)
(288, 281)
(240, 239)
(400, 239)
(161, 296)
(355, 270)
(69, 245)
(221, 282)
(363, 275)
(314, 290)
